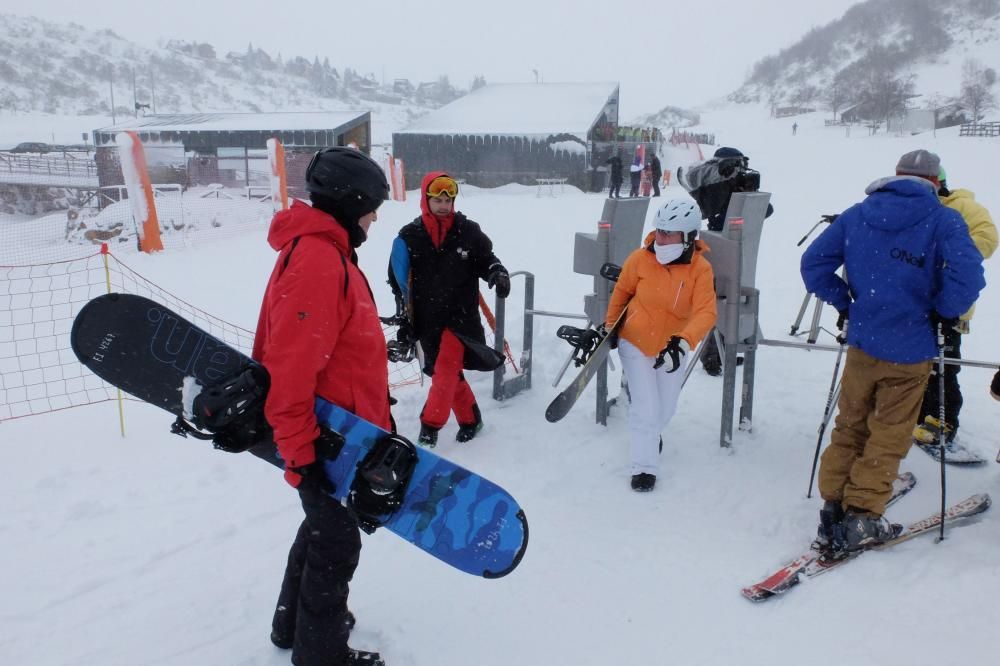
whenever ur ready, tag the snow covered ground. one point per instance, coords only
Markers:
(157, 550)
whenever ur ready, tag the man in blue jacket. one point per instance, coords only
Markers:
(911, 267)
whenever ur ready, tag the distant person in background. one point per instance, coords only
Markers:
(657, 174)
(911, 270)
(795, 128)
(616, 177)
(646, 182)
(666, 288)
(635, 174)
(984, 235)
(435, 266)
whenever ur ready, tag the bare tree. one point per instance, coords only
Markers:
(976, 93)
(885, 94)
(838, 93)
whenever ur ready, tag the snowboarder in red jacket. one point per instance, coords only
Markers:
(319, 335)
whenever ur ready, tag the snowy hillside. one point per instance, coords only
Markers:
(157, 550)
(66, 68)
(925, 39)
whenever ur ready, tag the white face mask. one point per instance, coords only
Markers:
(668, 253)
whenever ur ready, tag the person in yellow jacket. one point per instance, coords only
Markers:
(984, 236)
(666, 287)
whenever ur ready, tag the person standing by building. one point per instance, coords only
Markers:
(435, 267)
(667, 288)
(984, 235)
(635, 176)
(616, 177)
(319, 335)
(911, 268)
(657, 169)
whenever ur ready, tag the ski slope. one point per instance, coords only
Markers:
(152, 549)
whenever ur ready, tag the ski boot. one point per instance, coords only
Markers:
(428, 436)
(863, 530)
(830, 533)
(468, 431)
(642, 482)
(929, 431)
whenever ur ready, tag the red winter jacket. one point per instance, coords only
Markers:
(318, 333)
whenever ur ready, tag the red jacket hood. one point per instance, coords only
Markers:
(301, 220)
(436, 227)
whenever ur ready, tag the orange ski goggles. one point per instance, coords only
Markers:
(443, 186)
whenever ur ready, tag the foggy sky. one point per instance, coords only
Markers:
(662, 52)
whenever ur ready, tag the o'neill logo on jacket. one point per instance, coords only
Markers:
(905, 256)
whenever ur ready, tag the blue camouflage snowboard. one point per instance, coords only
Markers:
(154, 354)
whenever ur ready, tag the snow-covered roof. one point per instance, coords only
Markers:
(209, 122)
(523, 109)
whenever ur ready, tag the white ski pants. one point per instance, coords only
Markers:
(654, 396)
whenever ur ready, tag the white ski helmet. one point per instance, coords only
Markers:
(679, 215)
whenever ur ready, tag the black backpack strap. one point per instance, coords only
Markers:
(288, 257)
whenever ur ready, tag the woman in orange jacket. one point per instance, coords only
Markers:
(666, 287)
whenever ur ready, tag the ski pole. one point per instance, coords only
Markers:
(828, 411)
(941, 424)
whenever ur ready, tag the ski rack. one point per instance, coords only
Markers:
(734, 264)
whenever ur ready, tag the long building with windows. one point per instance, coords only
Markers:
(229, 148)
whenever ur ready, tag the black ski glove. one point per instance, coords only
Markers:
(405, 333)
(842, 317)
(314, 479)
(675, 350)
(499, 279)
(995, 386)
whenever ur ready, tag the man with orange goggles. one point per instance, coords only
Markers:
(443, 186)
(434, 270)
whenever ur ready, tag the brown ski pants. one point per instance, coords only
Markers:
(879, 403)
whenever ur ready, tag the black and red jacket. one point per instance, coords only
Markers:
(437, 279)
(318, 333)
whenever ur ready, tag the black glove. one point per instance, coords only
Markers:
(943, 323)
(314, 479)
(403, 348)
(603, 331)
(405, 333)
(995, 386)
(842, 317)
(499, 279)
(672, 354)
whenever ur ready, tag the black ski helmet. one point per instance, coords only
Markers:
(340, 172)
(348, 185)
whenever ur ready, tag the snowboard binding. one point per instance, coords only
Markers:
(381, 481)
(232, 412)
(404, 348)
(610, 271)
(401, 352)
(583, 340)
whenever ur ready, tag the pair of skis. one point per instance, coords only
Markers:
(814, 563)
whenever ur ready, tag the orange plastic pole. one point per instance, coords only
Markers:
(492, 321)
(140, 191)
(279, 177)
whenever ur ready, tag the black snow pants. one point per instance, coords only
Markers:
(952, 391)
(312, 604)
